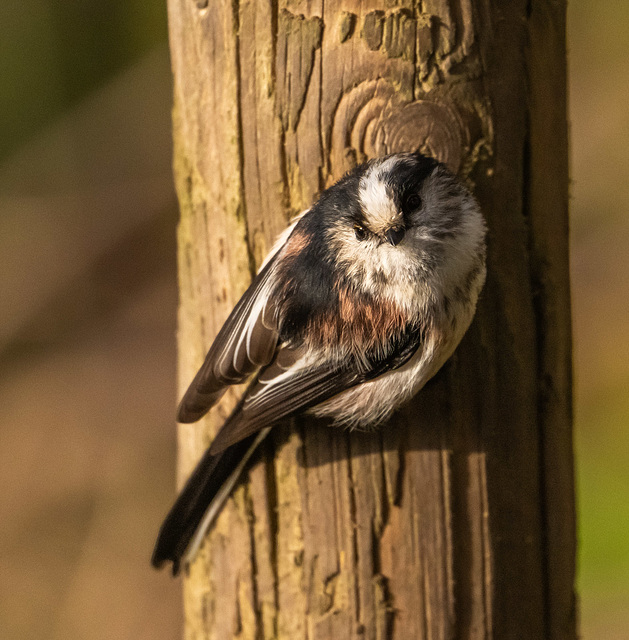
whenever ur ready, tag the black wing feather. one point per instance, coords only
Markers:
(234, 356)
(200, 489)
(265, 407)
(277, 394)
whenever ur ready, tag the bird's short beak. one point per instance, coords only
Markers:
(394, 235)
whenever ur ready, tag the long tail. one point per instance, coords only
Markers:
(200, 502)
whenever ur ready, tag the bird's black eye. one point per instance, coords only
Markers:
(412, 202)
(360, 231)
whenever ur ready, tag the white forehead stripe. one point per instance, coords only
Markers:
(377, 205)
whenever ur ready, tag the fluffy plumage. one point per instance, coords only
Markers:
(360, 302)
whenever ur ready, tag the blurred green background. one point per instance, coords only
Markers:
(598, 37)
(87, 321)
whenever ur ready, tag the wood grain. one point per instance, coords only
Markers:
(457, 519)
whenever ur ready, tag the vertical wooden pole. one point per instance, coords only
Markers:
(457, 519)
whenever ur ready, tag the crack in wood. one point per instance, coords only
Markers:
(273, 528)
(298, 39)
(327, 602)
(253, 558)
(354, 536)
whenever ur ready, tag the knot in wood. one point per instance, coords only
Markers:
(433, 128)
(372, 120)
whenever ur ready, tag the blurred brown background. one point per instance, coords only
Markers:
(87, 317)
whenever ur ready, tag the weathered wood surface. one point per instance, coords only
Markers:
(457, 519)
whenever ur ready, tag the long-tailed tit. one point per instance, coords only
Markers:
(360, 302)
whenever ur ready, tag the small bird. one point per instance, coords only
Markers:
(359, 303)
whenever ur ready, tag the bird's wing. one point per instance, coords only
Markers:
(289, 385)
(247, 341)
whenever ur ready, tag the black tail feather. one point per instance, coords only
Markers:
(186, 514)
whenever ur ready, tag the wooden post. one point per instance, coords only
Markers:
(457, 519)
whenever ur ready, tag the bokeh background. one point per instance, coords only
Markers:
(88, 301)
